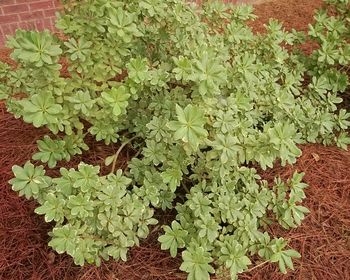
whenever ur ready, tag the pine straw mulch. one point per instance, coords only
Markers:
(323, 239)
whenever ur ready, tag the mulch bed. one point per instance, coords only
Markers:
(323, 239)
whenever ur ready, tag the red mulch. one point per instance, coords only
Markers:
(323, 239)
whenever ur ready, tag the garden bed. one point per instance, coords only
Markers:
(323, 239)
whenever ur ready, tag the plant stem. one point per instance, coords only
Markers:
(119, 151)
(185, 187)
(254, 267)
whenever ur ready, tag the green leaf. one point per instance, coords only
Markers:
(210, 103)
(196, 263)
(117, 98)
(233, 256)
(82, 101)
(80, 206)
(190, 125)
(86, 177)
(172, 177)
(50, 151)
(173, 238)
(78, 50)
(209, 73)
(29, 180)
(343, 140)
(283, 257)
(40, 109)
(229, 148)
(138, 70)
(52, 209)
(63, 239)
(37, 48)
(109, 160)
(208, 227)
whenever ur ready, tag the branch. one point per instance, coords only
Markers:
(119, 151)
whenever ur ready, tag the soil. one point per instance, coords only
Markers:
(323, 239)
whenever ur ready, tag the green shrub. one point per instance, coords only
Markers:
(203, 100)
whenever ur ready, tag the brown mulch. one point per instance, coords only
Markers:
(295, 14)
(323, 239)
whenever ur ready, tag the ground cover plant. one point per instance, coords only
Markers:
(202, 101)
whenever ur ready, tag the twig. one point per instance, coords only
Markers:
(119, 151)
(254, 267)
(185, 187)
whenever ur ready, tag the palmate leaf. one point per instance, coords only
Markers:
(78, 49)
(86, 251)
(297, 193)
(80, 206)
(199, 203)
(52, 208)
(120, 249)
(208, 227)
(183, 68)
(190, 125)
(29, 180)
(64, 239)
(233, 256)
(173, 238)
(157, 128)
(283, 257)
(154, 152)
(196, 262)
(209, 73)
(343, 140)
(40, 109)
(50, 151)
(38, 48)
(284, 137)
(138, 70)
(123, 25)
(74, 144)
(172, 177)
(117, 98)
(86, 177)
(229, 148)
(293, 216)
(82, 101)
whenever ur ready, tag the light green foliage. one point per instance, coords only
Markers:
(35, 48)
(96, 216)
(117, 98)
(29, 180)
(202, 100)
(233, 255)
(189, 127)
(196, 262)
(173, 238)
(40, 109)
(52, 151)
(283, 257)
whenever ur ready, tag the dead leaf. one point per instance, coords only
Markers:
(315, 156)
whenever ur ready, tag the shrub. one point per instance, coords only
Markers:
(203, 100)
